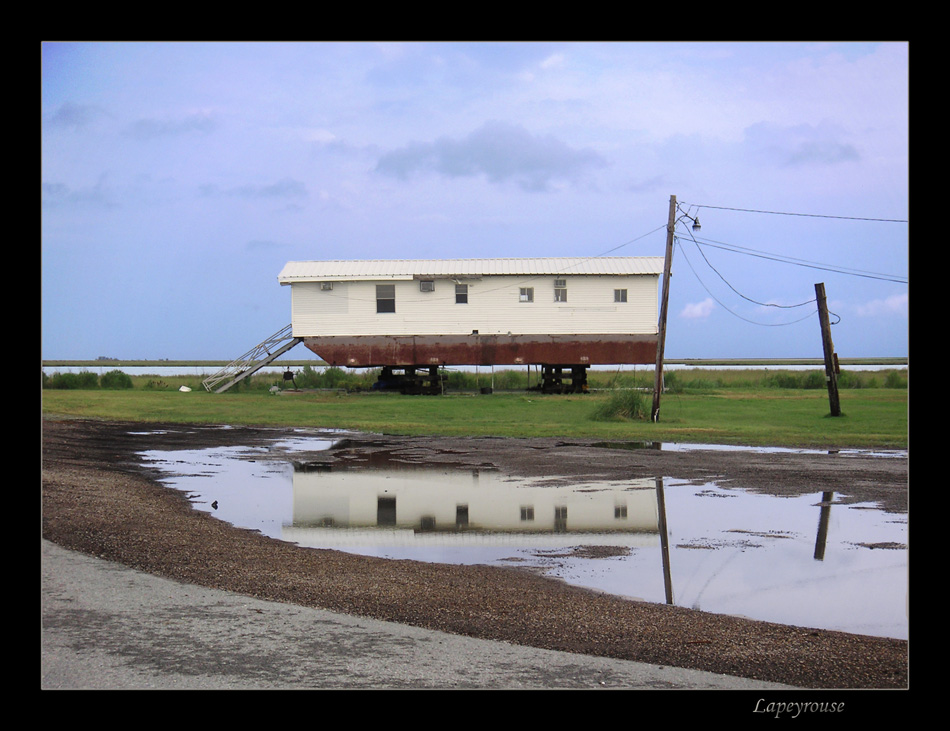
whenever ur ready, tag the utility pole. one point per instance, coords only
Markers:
(831, 358)
(664, 305)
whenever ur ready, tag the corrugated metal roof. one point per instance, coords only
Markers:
(301, 271)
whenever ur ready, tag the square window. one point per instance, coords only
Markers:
(527, 512)
(620, 295)
(426, 285)
(461, 294)
(526, 294)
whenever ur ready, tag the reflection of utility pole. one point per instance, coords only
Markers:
(664, 305)
(831, 359)
(664, 540)
(824, 516)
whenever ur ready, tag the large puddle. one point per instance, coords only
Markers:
(808, 560)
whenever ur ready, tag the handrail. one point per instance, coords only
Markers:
(253, 360)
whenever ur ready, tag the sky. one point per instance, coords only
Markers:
(179, 177)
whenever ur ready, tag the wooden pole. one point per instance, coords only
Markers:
(831, 360)
(664, 305)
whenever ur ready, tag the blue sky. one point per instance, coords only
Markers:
(178, 178)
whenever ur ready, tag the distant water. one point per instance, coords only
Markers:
(277, 367)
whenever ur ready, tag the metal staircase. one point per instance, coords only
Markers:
(255, 359)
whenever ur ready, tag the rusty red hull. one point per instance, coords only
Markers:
(484, 350)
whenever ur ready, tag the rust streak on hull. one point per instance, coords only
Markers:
(386, 350)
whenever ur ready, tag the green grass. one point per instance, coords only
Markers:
(739, 414)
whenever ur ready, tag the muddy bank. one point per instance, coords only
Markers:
(99, 499)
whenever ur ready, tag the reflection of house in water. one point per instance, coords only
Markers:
(426, 506)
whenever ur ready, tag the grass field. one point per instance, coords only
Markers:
(711, 407)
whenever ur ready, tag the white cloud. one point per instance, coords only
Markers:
(698, 310)
(894, 305)
(555, 60)
(315, 134)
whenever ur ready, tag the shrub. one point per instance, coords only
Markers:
(623, 405)
(83, 380)
(307, 377)
(671, 382)
(511, 380)
(894, 379)
(848, 379)
(782, 379)
(334, 377)
(115, 380)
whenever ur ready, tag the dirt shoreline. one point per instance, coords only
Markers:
(100, 499)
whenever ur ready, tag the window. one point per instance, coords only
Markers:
(326, 286)
(526, 295)
(385, 511)
(426, 285)
(527, 512)
(385, 297)
(461, 294)
(620, 295)
(560, 290)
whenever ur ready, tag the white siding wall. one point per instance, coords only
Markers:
(493, 307)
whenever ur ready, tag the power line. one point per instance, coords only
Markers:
(804, 263)
(798, 262)
(765, 255)
(749, 299)
(736, 314)
(808, 215)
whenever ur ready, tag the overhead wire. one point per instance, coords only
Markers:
(808, 215)
(799, 262)
(730, 311)
(752, 252)
(749, 299)
(785, 259)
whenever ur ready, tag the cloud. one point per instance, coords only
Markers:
(501, 152)
(894, 305)
(74, 116)
(802, 144)
(283, 188)
(148, 129)
(698, 310)
(54, 194)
